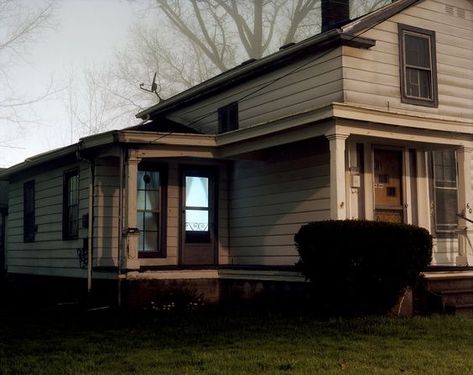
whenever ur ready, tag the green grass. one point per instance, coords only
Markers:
(231, 342)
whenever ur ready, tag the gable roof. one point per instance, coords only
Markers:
(345, 35)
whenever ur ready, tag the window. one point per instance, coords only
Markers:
(28, 212)
(228, 118)
(418, 66)
(445, 191)
(70, 220)
(150, 211)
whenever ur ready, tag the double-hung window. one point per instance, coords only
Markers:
(70, 212)
(29, 226)
(418, 66)
(151, 212)
(445, 192)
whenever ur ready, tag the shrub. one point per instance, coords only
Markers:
(361, 267)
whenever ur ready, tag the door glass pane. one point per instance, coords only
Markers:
(197, 192)
(197, 220)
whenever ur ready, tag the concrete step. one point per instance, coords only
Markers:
(450, 292)
(457, 296)
(464, 309)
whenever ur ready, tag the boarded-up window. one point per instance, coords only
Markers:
(28, 211)
(71, 205)
(445, 191)
(418, 66)
(228, 118)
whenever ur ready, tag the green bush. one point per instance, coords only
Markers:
(361, 267)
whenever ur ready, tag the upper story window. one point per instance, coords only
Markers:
(445, 192)
(228, 118)
(71, 205)
(29, 228)
(418, 66)
(151, 212)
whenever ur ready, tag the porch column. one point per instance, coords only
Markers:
(338, 209)
(465, 207)
(130, 258)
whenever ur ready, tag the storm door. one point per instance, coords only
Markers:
(388, 194)
(198, 218)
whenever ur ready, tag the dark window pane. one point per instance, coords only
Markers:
(71, 204)
(28, 211)
(150, 241)
(148, 180)
(418, 83)
(445, 185)
(148, 200)
(446, 206)
(417, 51)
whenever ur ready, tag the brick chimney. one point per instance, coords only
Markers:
(335, 13)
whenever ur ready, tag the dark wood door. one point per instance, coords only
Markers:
(388, 195)
(198, 217)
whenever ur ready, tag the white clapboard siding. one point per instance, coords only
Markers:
(49, 254)
(272, 197)
(371, 77)
(300, 86)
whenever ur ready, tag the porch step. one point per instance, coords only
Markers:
(457, 297)
(466, 309)
(450, 292)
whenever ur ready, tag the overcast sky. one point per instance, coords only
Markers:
(86, 32)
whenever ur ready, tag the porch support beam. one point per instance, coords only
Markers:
(338, 210)
(465, 207)
(131, 233)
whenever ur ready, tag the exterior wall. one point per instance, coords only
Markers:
(313, 82)
(271, 196)
(49, 254)
(106, 212)
(371, 77)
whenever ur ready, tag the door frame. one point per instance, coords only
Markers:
(212, 173)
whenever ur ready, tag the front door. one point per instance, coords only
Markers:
(388, 195)
(198, 217)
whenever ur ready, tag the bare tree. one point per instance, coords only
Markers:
(190, 41)
(197, 39)
(19, 26)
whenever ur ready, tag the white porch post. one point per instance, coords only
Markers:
(130, 258)
(338, 193)
(465, 207)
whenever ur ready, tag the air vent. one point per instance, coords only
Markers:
(454, 11)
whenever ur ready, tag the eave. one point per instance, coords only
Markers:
(39, 159)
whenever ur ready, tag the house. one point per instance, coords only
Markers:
(371, 119)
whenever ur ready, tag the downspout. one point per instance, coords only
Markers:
(120, 230)
(90, 225)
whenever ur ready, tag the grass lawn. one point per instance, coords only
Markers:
(231, 342)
